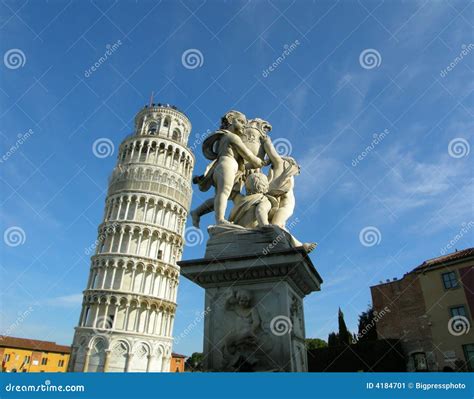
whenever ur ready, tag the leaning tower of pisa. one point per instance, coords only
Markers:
(129, 303)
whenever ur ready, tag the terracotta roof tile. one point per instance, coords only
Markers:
(33, 344)
(465, 253)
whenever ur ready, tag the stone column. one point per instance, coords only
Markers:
(149, 361)
(126, 209)
(129, 362)
(86, 360)
(107, 360)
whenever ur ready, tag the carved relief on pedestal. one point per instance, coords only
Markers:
(245, 346)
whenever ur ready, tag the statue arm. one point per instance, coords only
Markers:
(243, 151)
(272, 153)
(262, 212)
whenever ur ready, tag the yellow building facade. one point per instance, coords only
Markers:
(21, 355)
(448, 290)
(431, 313)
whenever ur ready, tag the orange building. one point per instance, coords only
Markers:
(30, 355)
(177, 363)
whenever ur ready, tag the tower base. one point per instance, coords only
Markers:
(254, 319)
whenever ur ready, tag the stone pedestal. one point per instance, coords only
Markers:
(254, 319)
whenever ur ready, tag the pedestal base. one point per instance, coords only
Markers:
(254, 319)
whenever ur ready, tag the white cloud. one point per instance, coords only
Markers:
(67, 301)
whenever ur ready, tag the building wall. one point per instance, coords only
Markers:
(177, 364)
(439, 301)
(406, 317)
(17, 357)
(467, 278)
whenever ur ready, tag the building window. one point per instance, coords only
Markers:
(6, 358)
(152, 128)
(86, 315)
(160, 254)
(44, 361)
(110, 321)
(27, 359)
(176, 135)
(469, 355)
(60, 363)
(458, 311)
(450, 280)
(419, 360)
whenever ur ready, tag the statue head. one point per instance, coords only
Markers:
(256, 183)
(261, 125)
(243, 298)
(234, 121)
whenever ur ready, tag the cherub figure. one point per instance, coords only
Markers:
(241, 347)
(282, 183)
(253, 209)
(228, 154)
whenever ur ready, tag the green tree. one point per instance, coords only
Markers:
(367, 326)
(344, 334)
(333, 339)
(315, 343)
(194, 363)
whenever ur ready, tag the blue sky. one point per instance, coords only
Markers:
(412, 188)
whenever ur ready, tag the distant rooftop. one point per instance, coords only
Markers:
(427, 264)
(178, 355)
(32, 344)
(434, 262)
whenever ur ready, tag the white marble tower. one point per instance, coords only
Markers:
(129, 303)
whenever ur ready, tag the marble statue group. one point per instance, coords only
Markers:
(254, 271)
(238, 151)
